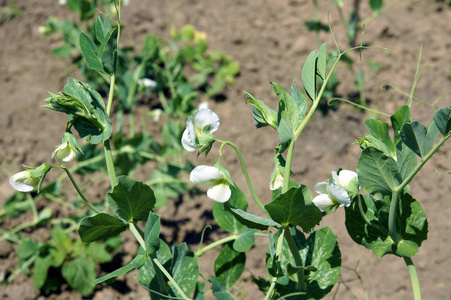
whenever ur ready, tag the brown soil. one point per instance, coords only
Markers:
(270, 41)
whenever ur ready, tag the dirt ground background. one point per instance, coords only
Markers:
(270, 41)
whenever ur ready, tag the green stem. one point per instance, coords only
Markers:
(414, 278)
(137, 234)
(168, 276)
(33, 207)
(271, 288)
(246, 176)
(288, 164)
(201, 252)
(297, 258)
(80, 193)
(394, 200)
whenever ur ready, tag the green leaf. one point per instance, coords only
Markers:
(136, 263)
(219, 291)
(309, 75)
(106, 51)
(416, 136)
(413, 226)
(321, 63)
(398, 119)
(376, 5)
(98, 252)
(131, 200)
(225, 219)
(229, 265)
(199, 291)
(263, 115)
(250, 220)
(89, 50)
(290, 112)
(370, 231)
(152, 233)
(379, 130)
(378, 173)
(319, 251)
(373, 232)
(41, 265)
(100, 227)
(442, 118)
(184, 269)
(147, 274)
(406, 159)
(79, 274)
(245, 240)
(295, 208)
(102, 27)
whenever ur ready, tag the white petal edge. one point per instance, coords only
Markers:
(321, 188)
(206, 175)
(323, 202)
(219, 193)
(22, 182)
(345, 177)
(338, 194)
(186, 142)
(204, 117)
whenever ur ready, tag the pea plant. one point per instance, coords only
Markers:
(303, 260)
(171, 95)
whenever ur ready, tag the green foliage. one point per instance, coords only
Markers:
(72, 260)
(367, 224)
(131, 200)
(229, 265)
(321, 263)
(295, 208)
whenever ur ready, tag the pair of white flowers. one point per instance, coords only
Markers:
(28, 180)
(335, 193)
(198, 134)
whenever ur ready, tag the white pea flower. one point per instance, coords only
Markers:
(203, 105)
(64, 153)
(147, 82)
(215, 178)
(62, 2)
(344, 178)
(23, 182)
(330, 195)
(199, 128)
(276, 180)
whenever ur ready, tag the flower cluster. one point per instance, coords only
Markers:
(198, 133)
(337, 192)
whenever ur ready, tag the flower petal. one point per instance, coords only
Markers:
(320, 188)
(63, 153)
(219, 193)
(186, 142)
(323, 202)
(338, 194)
(22, 181)
(345, 177)
(206, 175)
(204, 117)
